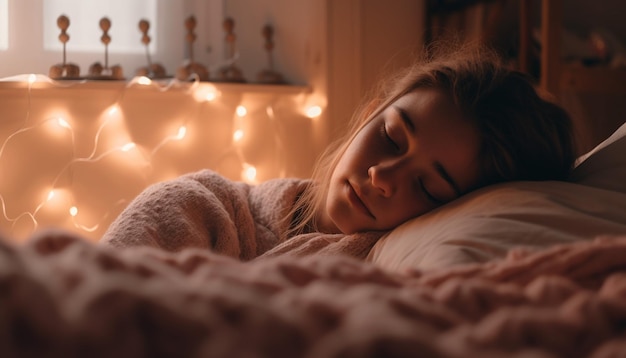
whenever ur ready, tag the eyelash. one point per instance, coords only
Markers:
(428, 194)
(385, 135)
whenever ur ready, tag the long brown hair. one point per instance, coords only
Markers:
(524, 136)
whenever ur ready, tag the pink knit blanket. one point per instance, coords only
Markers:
(61, 296)
(205, 210)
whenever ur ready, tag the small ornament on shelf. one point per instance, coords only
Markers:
(64, 70)
(97, 70)
(269, 75)
(230, 72)
(190, 67)
(153, 70)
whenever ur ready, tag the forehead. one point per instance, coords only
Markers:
(428, 102)
(432, 109)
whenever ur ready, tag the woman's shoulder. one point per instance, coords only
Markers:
(278, 183)
(280, 186)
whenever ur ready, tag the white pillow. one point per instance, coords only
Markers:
(487, 223)
(605, 165)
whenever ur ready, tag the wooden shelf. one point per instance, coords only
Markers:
(20, 82)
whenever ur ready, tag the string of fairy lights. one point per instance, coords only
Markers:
(60, 187)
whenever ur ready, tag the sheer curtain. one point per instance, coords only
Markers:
(4, 24)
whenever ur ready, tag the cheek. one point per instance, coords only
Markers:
(346, 165)
(408, 209)
(361, 150)
(337, 210)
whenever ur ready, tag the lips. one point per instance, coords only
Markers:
(356, 202)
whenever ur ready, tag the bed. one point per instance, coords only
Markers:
(514, 270)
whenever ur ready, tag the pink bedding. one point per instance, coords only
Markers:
(207, 211)
(61, 296)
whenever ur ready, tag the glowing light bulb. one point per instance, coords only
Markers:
(113, 110)
(63, 123)
(32, 78)
(249, 173)
(313, 111)
(182, 131)
(73, 211)
(241, 111)
(238, 135)
(206, 93)
(210, 96)
(128, 146)
(145, 81)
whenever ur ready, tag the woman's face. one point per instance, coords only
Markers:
(416, 155)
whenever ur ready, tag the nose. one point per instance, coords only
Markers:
(386, 176)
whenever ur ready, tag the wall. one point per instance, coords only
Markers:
(92, 147)
(64, 155)
(367, 40)
(300, 46)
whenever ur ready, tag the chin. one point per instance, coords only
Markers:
(348, 229)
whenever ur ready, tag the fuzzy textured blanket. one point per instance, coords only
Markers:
(61, 296)
(206, 210)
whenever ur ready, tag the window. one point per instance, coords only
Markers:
(85, 30)
(4, 24)
(29, 33)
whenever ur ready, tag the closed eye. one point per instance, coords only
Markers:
(385, 135)
(430, 197)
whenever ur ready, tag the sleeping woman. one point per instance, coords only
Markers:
(452, 123)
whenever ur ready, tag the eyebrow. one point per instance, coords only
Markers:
(444, 174)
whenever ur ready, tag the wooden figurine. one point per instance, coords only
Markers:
(97, 70)
(268, 75)
(64, 70)
(191, 67)
(153, 70)
(230, 72)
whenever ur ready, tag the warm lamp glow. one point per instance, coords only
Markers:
(57, 199)
(313, 111)
(249, 173)
(128, 146)
(182, 131)
(63, 123)
(238, 135)
(206, 93)
(241, 111)
(210, 96)
(58, 126)
(143, 80)
(113, 110)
